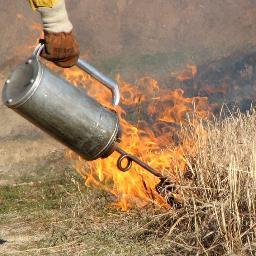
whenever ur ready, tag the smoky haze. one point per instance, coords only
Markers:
(136, 37)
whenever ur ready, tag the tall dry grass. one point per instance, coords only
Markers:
(219, 213)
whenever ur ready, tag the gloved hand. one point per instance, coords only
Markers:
(61, 48)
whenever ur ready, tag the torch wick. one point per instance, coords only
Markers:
(130, 159)
(165, 188)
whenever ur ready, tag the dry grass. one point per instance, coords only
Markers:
(219, 214)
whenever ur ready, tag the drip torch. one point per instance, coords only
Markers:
(71, 116)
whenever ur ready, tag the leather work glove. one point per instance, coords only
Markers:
(61, 48)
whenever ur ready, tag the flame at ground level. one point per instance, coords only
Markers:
(151, 119)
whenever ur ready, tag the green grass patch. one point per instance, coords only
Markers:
(70, 218)
(31, 194)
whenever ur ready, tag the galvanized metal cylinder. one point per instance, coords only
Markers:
(62, 110)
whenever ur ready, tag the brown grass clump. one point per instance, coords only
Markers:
(219, 213)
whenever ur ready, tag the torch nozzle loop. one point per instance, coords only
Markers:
(130, 159)
(128, 165)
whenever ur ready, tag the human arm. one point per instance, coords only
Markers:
(61, 46)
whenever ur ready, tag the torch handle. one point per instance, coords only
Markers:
(130, 159)
(108, 82)
(88, 68)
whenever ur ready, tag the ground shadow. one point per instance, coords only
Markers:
(2, 241)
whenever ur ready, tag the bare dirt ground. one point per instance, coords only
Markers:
(23, 148)
(133, 38)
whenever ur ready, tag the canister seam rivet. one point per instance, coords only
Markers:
(9, 101)
(8, 81)
(29, 61)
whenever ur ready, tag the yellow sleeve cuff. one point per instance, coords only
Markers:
(42, 3)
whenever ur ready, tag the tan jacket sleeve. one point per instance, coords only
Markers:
(42, 3)
(54, 15)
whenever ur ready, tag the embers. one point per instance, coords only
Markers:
(167, 189)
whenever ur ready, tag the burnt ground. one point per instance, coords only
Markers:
(133, 38)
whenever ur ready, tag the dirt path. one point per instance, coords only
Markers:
(23, 147)
(17, 235)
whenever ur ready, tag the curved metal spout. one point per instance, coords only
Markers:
(91, 70)
(108, 82)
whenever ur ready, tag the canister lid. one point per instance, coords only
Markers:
(22, 83)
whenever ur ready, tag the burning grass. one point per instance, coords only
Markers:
(218, 195)
(151, 117)
(219, 213)
(212, 163)
(218, 216)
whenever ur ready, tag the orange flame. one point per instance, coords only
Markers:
(150, 117)
(151, 132)
(187, 74)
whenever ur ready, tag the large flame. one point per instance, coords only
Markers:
(151, 118)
